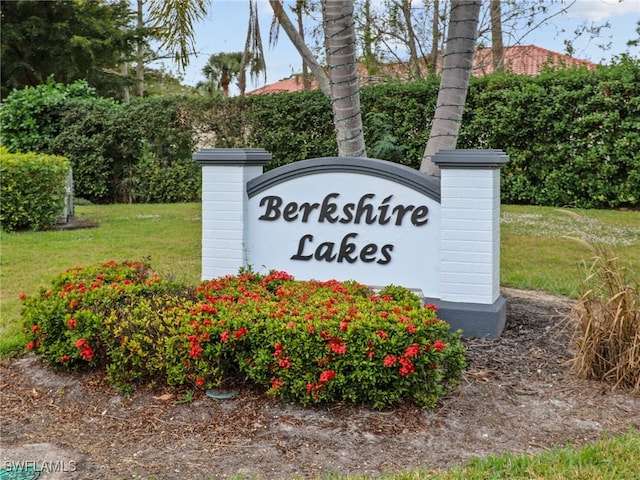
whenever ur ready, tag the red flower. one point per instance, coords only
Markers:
(337, 346)
(81, 342)
(240, 332)
(384, 314)
(431, 306)
(73, 304)
(310, 329)
(35, 329)
(412, 350)
(327, 375)
(284, 362)
(195, 351)
(86, 353)
(411, 328)
(23, 296)
(278, 350)
(224, 336)
(382, 334)
(71, 323)
(64, 358)
(199, 382)
(406, 367)
(439, 346)
(30, 346)
(276, 383)
(389, 361)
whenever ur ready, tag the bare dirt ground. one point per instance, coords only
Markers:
(518, 395)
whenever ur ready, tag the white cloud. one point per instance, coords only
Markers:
(596, 10)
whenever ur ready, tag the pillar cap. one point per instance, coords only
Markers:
(470, 158)
(232, 156)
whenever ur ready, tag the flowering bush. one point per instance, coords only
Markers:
(308, 342)
(314, 341)
(65, 321)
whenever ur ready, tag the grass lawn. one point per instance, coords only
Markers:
(546, 248)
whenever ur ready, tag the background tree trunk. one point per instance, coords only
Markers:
(303, 50)
(435, 39)
(454, 83)
(497, 48)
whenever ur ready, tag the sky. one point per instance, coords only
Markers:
(225, 27)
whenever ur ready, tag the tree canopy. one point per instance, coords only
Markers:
(69, 40)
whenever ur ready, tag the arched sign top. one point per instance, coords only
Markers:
(394, 172)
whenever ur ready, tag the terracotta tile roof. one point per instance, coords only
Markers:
(524, 60)
(291, 84)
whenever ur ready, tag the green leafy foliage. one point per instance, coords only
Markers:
(572, 135)
(99, 145)
(66, 40)
(32, 190)
(66, 320)
(308, 342)
(152, 182)
(30, 116)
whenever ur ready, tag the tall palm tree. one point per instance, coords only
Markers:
(222, 68)
(340, 44)
(253, 55)
(454, 82)
(340, 86)
(173, 22)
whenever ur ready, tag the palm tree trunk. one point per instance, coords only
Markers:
(456, 70)
(340, 44)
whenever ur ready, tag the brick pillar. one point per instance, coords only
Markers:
(470, 239)
(225, 173)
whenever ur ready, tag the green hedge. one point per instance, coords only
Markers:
(573, 135)
(32, 190)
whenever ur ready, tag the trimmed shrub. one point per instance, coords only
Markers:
(30, 117)
(153, 182)
(32, 189)
(309, 342)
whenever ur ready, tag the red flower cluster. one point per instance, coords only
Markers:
(86, 352)
(241, 332)
(327, 376)
(337, 345)
(284, 362)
